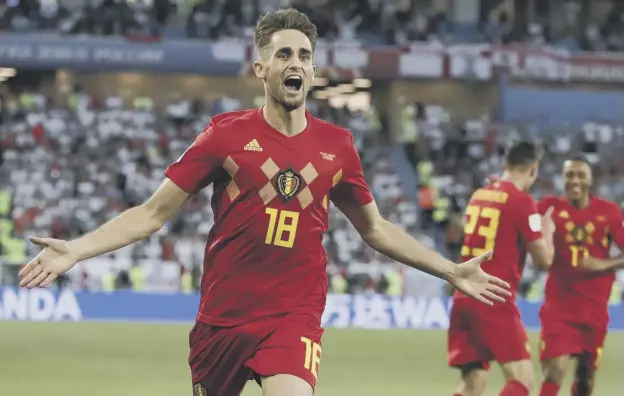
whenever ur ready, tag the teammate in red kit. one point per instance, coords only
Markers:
(574, 316)
(274, 171)
(502, 217)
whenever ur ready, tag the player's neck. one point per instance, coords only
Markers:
(580, 203)
(512, 178)
(286, 122)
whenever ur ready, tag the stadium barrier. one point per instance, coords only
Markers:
(342, 311)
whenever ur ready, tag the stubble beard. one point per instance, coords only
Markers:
(289, 105)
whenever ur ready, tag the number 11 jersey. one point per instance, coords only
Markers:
(570, 293)
(264, 254)
(505, 219)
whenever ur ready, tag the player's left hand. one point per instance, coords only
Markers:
(471, 280)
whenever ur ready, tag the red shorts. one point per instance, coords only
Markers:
(223, 359)
(479, 334)
(561, 337)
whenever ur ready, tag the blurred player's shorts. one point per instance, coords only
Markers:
(479, 334)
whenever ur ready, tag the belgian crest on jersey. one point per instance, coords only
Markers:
(199, 390)
(288, 183)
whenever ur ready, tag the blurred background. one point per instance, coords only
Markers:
(97, 97)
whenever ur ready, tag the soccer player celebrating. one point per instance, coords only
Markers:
(574, 316)
(274, 170)
(502, 217)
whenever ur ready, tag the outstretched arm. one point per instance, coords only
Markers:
(198, 166)
(352, 196)
(390, 240)
(393, 242)
(131, 226)
(134, 224)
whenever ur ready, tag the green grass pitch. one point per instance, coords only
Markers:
(96, 359)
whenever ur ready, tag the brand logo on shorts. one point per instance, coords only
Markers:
(288, 183)
(199, 390)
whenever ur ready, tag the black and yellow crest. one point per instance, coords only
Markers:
(288, 183)
(199, 390)
(579, 234)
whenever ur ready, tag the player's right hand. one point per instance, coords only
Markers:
(55, 259)
(548, 225)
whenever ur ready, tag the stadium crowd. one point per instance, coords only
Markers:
(374, 21)
(93, 157)
(70, 168)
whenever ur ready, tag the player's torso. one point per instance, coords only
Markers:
(271, 210)
(579, 233)
(489, 224)
(274, 195)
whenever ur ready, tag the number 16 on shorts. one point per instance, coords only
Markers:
(313, 355)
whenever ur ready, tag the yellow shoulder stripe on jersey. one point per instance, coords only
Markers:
(490, 196)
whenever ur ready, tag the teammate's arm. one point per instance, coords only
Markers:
(594, 264)
(353, 198)
(542, 249)
(194, 170)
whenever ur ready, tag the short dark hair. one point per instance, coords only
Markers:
(283, 19)
(578, 157)
(523, 153)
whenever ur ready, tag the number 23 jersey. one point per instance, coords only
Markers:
(570, 292)
(505, 219)
(264, 254)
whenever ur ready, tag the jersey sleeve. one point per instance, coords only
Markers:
(616, 226)
(528, 219)
(352, 187)
(200, 164)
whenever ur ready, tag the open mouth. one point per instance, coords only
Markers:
(575, 189)
(293, 83)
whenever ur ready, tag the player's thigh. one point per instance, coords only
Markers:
(217, 359)
(519, 370)
(559, 337)
(474, 379)
(294, 348)
(465, 347)
(554, 369)
(286, 385)
(505, 335)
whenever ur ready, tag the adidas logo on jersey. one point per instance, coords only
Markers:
(253, 146)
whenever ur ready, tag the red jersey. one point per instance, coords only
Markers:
(590, 231)
(264, 254)
(503, 218)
